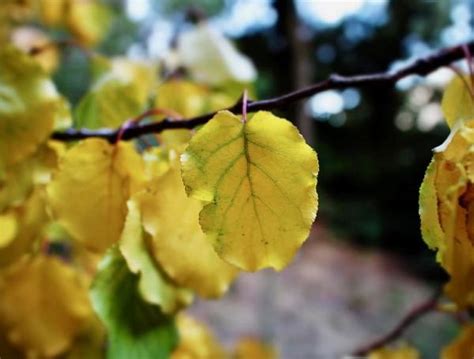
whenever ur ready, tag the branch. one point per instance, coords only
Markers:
(421, 67)
(411, 317)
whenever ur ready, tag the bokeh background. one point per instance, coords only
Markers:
(365, 264)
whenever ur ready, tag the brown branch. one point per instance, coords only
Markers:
(412, 316)
(421, 67)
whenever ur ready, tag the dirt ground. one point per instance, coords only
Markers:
(329, 301)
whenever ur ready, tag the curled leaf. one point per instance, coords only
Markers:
(447, 212)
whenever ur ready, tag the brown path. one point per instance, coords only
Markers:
(330, 300)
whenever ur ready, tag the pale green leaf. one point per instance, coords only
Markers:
(136, 329)
(154, 286)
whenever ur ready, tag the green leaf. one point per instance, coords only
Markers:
(136, 329)
(117, 95)
(258, 179)
(154, 286)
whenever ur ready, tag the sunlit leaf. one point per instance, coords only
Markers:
(196, 341)
(153, 285)
(211, 58)
(178, 243)
(259, 182)
(43, 305)
(458, 101)
(28, 106)
(462, 346)
(89, 192)
(136, 329)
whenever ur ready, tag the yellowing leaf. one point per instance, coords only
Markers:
(9, 228)
(89, 343)
(28, 107)
(403, 352)
(211, 58)
(30, 220)
(89, 192)
(259, 182)
(458, 102)
(88, 20)
(43, 305)
(184, 97)
(178, 243)
(251, 348)
(462, 346)
(196, 341)
(154, 287)
(52, 13)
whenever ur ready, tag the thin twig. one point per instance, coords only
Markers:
(412, 316)
(421, 67)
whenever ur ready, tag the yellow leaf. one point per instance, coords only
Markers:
(18, 180)
(89, 192)
(9, 226)
(196, 341)
(251, 348)
(43, 305)
(153, 285)
(178, 243)
(29, 106)
(462, 346)
(52, 12)
(30, 220)
(457, 102)
(259, 182)
(88, 20)
(403, 352)
(447, 212)
(184, 97)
